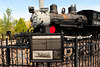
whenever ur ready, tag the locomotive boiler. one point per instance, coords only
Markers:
(85, 22)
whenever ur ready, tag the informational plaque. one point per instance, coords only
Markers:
(46, 48)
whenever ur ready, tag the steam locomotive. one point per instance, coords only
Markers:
(84, 22)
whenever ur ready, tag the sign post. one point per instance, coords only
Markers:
(46, 48)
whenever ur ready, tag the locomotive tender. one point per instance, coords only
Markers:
(85, 22)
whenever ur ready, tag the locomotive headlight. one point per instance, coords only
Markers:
(31, 9)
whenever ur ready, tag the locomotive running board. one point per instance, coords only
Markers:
(79, 37)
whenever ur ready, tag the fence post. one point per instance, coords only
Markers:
(37, 64)
(7, 53)
(91, 49)
(32, 64)
(76, 56)
(48, 64)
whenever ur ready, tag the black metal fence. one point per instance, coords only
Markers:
(77, 53)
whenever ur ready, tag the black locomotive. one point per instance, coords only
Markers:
(84, 22)
(81, 23)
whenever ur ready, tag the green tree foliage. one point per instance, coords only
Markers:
(7, 21)
(20, 26)
(1, 21)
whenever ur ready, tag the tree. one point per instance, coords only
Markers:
(20, 26)
(28, 23)
(1, 21)
(7, 21)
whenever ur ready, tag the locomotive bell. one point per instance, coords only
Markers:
(63, 11)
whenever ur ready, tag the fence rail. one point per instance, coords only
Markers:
(77, 53)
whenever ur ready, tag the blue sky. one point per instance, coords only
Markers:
(20, 7)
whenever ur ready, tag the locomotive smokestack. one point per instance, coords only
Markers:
(41, 3)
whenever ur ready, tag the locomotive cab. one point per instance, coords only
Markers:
(93, 17)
